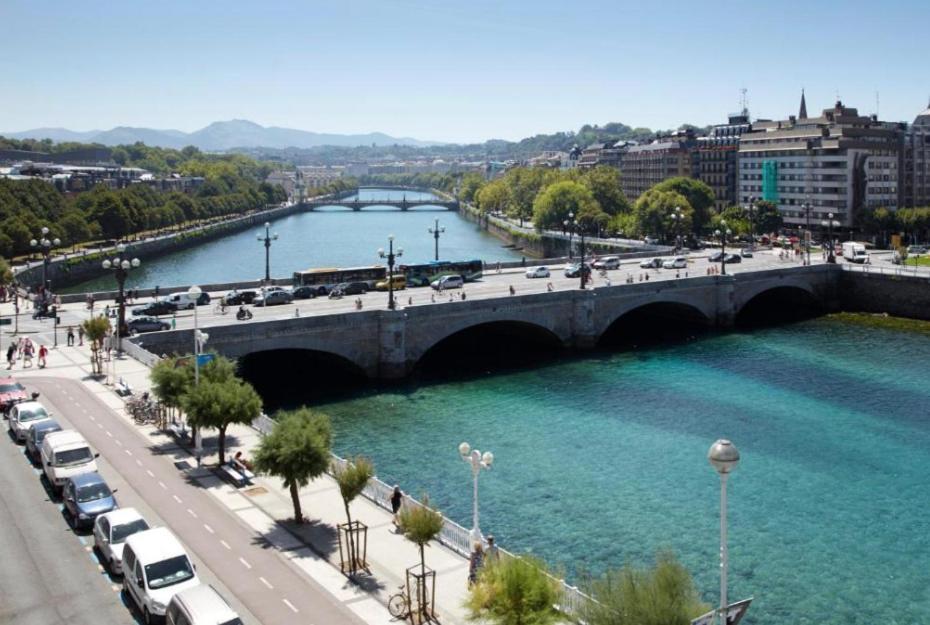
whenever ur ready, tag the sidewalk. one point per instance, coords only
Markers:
(267, 509)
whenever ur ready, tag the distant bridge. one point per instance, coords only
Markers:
(403, 204)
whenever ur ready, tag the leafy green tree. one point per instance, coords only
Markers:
(470, 186)
(96, 329)
(663, 595)
(553, 205)
(700, 198)
(654, 209)
(74, 227)
(218, 405)
(297, 450)
(737, 220)
(171, 379)
(514, 591)
(604, 183)
(6, 274)
(494, 197)
(525, 184)
(420, 524)
(18, 233)
(766, 217)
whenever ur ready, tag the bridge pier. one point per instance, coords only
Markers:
(726, 301)
(392, 341)
(584, 334)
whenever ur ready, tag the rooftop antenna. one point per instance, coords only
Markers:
(744, 102)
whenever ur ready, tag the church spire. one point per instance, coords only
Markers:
(802, 114)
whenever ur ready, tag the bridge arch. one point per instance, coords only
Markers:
(652, 321)
(306, 374)
(783, 303)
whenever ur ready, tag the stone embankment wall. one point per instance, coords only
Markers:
(897, 295)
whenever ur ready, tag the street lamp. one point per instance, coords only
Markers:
(723, 245)
(45, 245)
(807, 237)
(267, 238)
(478, 461)
(752, 229)
(121, 267)
(568, 223)
(724, 457)
(829, 223)
(200, 338)
(390, 256)
(573, 224)
(436, 231)
(676, 220)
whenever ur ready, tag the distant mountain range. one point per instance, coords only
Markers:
(237, 133)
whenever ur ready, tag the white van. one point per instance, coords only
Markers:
(181, 301)
(200, 605)
(64, 455)
(155, 568)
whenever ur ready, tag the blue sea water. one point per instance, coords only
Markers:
(602, 461)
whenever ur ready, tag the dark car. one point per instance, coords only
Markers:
(274, 298)
(715, 257)
(11, 392)
(573, 271)
(147, 324)
(85, 497)
(36, 435)
(237, 298)
(352, 288)
(733, 258)
(159, 307)
(305, 292)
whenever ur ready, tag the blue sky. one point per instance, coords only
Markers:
(453, 71)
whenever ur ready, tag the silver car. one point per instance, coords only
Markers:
(23, 416)
(111, 531)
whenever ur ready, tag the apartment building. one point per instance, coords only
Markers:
(667, 157)
(717, 158)
(917, 161)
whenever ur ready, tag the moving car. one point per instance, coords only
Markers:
(574, 270)
(111, 529)
(23, 416)
(855, 252)
(158, 307)
(64, 455)
(11, 391)
(733, 258)
(537, 272)
(237, 298)
(147, 324)
(352, 288)
(715, 257)
(200, 605)
(607, 262)
(746, 252)
(36, 435)
(399, 282)
(182, 301)
(155, 568)
(653, 263)
(85, 497)
(448, 282)
(273, 298)
(676, 263)
(304, 292)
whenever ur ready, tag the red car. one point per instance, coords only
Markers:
(11, 392)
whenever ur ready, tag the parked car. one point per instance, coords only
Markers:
(85, 497)
(158, 307)
(155, 568)
(537, 272)
(64, 455)
(448, 282)
(679, 262)
(237, 298)
(733, 258)
(652, 263)
(36, 435)
(400, 282)
(147, 324)
(352, 288)
(23, 416)
(183, 300)
(11, 392)
(273, 298)
(715, 257)
(111, 529)
(607, 262)
(304, 292)
(746, 252)
(574, 270)
(200, 605)
(913, 250)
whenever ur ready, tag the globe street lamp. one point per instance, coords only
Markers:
(436, 231)
(829, 223)
(574, 225)
(569, 223)
(267, 238)
(676, 220)
(724, 457)
(121, 267)
(200, 339)
(723, 245)
(390, 256)
(478, 461)
(45, 245)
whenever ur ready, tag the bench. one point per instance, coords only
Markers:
(236, 473)
(123, 389)
(178, 431)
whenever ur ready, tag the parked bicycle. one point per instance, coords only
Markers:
(399, 603)
(142, 409)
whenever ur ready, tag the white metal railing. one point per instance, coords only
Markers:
(896, 270)
(139, 353)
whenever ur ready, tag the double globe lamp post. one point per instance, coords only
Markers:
(121, 268)
(572, 224)
(200, 339)
(436, 230)
(478, 461)
(829, 223)
(45, 246)
(267, 238)
(391, 256)
(723, 234)
(724, 457)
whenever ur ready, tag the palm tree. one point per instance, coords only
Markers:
(352, 478)
(421, 524)
(296, 450)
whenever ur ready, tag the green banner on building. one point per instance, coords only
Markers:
(770, 181)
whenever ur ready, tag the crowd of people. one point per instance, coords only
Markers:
(24, 349)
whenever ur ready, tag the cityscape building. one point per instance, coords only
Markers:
(717, 158)
(917, 161)
(646, 165)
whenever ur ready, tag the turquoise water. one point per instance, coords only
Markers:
(602, 461)
(333, 237)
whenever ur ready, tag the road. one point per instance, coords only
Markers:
(160, 482)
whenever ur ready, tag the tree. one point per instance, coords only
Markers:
(296, 450)
(553, 205)
(218, 405)
(96, 329)
(663, 595)
(352, 478)
(604, 183)
(470, 185)
(700, 198)
(6, 274)
(653, 213)
(766, 217)
(524, 184)
(514, 591)
(494, 197)
(421, 524)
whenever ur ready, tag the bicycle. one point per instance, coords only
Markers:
(221, 309)
(399, 603)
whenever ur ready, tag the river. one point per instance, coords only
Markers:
(329, 237)
(602, 461)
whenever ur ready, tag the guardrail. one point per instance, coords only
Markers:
(901, 271)
(572, 601)
(140, 353)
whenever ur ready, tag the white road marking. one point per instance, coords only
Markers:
(265, 582)
(225, 544)
(117, 441)
(92, 417)
(138, 462)
(151, 475)
(244, 563)
(162, 484)
(108, 433)
(290, 605)
(100, 425)
(128, 453)
(208, 528)
(192, 513)
(177, 499)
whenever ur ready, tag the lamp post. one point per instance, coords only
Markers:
(478, 461)
(568, 223)
(829, 223)
(45, 245)
(267, 238)
(724, 457)
(121, 268)
(807, 237)
(390, 256)
(436, 231)
(752, 228)
(200, 338)
(676, 220)
(723, 245)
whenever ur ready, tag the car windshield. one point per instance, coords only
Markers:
(92, 492)
(11, 388)
(32, 415)
(121, 532)
(168, 572)
(39, 433)
(73, 456)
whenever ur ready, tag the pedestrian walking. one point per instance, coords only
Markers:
(43, 354)
(397, 498)
(27, 354)
(174, 322)
(492, 554)
(80, 335)
(474, 563)
(70, 336)
(513, 291)
(10, 355)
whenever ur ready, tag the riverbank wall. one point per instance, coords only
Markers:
(895, 293)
